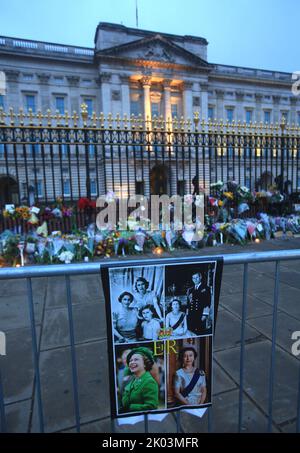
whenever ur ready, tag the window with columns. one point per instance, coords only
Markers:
(248, 116)
(60, 104)
(30, 102)
(155, 109)
(229, 113)
(174, 110)
(134, 108)
(90, 105)
(285, 115)
(267, 116)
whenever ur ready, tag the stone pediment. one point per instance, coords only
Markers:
(155, 49)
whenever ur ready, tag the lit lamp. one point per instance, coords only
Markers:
(257, 241)
(158, 250)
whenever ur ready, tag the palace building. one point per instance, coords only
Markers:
(133, 72)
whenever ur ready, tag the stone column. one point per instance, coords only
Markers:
(74, 97)
(146, 83)
(105, 93)
(239, 109)
(204, 100)
(125, 94)
(258, 112)
(44, 91)
(12, 92)
(293, 119)
(187, 100)
(167, 99)
(220, 105)
(276, 101)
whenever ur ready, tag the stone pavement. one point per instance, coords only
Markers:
(91, 348)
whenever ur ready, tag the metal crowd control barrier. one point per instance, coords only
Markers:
(94, 268)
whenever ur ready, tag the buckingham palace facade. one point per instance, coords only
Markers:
(131, 72)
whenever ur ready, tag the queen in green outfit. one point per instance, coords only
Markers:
(141, 394)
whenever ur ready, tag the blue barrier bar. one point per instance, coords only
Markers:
(146, 422)
(73, 354)
(178, 424)
(209, 420)
(2, 408)
(35, 355)
(298, 408)
(273, 349)
(94, 268)
(242, 352)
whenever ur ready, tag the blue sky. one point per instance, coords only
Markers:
(255, 33)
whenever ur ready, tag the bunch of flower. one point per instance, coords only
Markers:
(85, 203)
(67, 211)
(22, 212)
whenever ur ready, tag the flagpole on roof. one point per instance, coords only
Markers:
(136, 14)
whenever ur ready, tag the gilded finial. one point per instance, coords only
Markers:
(94, 119)
(282, 124)
(196, 119)
(140, 121)
(2, 116)
(132, 121)
(12, 116)
(175, 123)
(31, 117)
(125, 121)
(66, 118)
(40, 117)
(110, 120)
(84, 113)
(75, 118)
(102, 119)
(118, 121)
(182, 123)
(49, 117)
(21, 116)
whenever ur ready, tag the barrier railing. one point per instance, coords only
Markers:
(69, 270)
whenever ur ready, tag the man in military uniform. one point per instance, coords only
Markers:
(198, 306)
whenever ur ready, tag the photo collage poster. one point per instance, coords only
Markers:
(160, 322)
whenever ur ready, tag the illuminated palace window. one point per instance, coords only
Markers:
(134, 108)
(229, 114)
(60, 104)
(210, 113)
(90, 107)
(174, 110)
(267, 116)
(248, 116)
(30, 102)
(155, 109)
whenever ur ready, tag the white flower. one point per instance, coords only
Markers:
(110, 196)
(244, 189)
(66, 257)
(217, 184)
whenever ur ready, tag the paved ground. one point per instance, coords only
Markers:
(91, 348)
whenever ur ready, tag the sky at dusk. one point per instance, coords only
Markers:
(254, 33)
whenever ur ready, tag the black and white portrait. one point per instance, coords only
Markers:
(137, 303)
(190, 299)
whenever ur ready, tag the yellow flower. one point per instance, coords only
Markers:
(229, 195)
